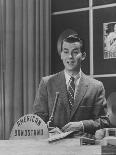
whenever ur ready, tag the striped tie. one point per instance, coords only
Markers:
(71, 90)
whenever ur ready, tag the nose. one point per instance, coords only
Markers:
(70, 55)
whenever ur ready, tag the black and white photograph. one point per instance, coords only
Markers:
(109, 40)
(57, 77)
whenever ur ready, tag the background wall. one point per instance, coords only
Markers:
(26, 29)
(24, 57)
(87, 18)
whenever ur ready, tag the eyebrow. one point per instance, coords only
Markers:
(72, 49)
(65, 48)
(77, 48)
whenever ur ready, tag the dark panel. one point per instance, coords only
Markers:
(103, 2)
(76, 21)
(60, 5)
(101, 65)
(109, 84)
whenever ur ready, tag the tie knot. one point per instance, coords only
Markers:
(72, 79)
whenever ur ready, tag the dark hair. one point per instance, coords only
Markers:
(72, 39)
(62, 36)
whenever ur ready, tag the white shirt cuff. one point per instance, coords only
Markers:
(82, 125)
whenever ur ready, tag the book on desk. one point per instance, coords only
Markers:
(85, 139)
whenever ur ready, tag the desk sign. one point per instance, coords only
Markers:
(29, 126)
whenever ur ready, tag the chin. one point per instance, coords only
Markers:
(70, 69)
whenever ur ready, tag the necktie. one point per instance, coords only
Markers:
(71, 90)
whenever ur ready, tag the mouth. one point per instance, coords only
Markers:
(70, 62)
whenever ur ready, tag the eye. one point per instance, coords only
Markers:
(76, 51)
(65, 51)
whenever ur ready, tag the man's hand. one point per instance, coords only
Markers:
(55, 130)
(73, 126)
(100, 134)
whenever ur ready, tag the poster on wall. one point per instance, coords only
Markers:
(109, 36)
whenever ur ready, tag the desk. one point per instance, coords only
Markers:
(42, 147)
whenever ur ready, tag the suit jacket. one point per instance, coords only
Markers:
(88, 106)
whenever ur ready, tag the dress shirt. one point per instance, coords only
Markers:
(76, 81)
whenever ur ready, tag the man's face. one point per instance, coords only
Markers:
(71, 56)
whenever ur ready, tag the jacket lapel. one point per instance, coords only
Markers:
(81, 90)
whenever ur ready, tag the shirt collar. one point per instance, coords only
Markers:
(68, 76)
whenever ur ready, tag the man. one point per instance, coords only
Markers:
(81, 98)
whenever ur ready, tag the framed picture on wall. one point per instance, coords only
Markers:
(104, 41)
(109, 40)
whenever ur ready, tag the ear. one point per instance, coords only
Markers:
(83, 56)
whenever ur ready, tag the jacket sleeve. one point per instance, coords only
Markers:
(41, 101)
(100, 120)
